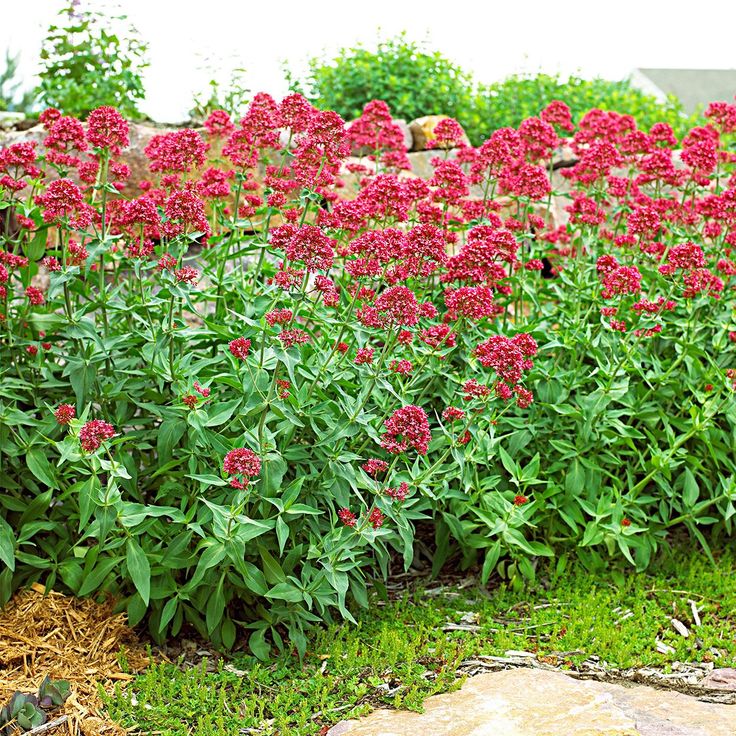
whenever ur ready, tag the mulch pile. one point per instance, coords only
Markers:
(72, 639)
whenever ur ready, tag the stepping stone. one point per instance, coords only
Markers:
(531, 702)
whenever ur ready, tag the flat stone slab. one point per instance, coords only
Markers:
(532, 702)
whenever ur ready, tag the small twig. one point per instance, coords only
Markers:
(696, 613)
(48, 726)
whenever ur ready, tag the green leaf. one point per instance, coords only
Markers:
(88, 494)
(93, 581)
(508, 462)
(258, 644)
(167, 614)
(169, 434)
(285, 592)
(212, 555)
(489, 563)
(690, 489)
(271, 568)
(39, 465)
(7, 544)
(224, 413)
(282, 533)
(215, 607)
(139, 568)
(37, 247)
(209, 480)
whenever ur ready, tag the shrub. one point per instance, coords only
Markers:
(410, 78)
(509, 102)
(415, 82)
(234, 401)
(91, 59)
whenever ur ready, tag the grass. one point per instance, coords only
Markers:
(399, 654)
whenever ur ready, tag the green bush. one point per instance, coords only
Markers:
(507, 103)
(91, 59)
(411, 79)
(226, 420)
(415, 81)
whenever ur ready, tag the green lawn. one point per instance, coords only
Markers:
(400, 653)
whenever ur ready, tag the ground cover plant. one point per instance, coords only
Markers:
(235, 396)
(406, 649)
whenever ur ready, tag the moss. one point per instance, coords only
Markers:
(399, 653)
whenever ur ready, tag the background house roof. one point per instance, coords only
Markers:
(692, 86)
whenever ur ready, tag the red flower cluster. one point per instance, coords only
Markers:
(63, 200)
(396, 306)
(407, 427)
(35, 295)
(241, 465)
(400, 493)
(472, 302)
(279, 317)
(107, 129)
(94, 433)
(363, 356)
(65, 413)
(509, 358)
(289, 338)
(177, 152)
(240, 347)
(374, 466)
(347, 517)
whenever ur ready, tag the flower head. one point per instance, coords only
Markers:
(407, 427)
(107, 128)
(240, 347)
(400, 493)
(241, 464)
(347, 517)
(65, 413)
(94, 433)
(63, 199)
(35, 295)
(374, 466)
(376, 518)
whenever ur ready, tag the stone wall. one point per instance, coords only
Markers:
(418, 135)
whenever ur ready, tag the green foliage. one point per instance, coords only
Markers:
(10, 86)
(413, 80)
(180, 350)
(507, 103)
(401, 652)
(90, 59)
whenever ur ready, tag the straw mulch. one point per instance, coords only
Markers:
(71, 639)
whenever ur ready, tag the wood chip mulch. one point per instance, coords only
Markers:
(72, 639)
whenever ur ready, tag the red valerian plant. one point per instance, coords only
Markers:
(233, 392)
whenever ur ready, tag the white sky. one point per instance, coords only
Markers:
(490, 39)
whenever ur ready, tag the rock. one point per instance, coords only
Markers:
(359, 152)
(422, 131)
(406, 131)
(133, 156)
(723, 678)
(420, 162)
(532, 702)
